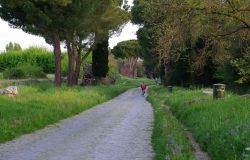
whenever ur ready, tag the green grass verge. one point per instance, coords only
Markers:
(168, 139)
(1, 75)
(38, 105)
(221, 127)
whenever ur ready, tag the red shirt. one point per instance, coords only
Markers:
(143, 86)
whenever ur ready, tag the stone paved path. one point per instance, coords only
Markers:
(117, 130)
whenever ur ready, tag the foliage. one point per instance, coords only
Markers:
(180, 21)
(126, 49)
(113, 72)
(108, 19)
(93, 22)
(24, 71)
(243, 67)
(130, 51)
(235, 71)
(100, 56)
(33, 16)
(64, 65)
(221, 127)
(104, 25)
(168, 139)
(146, 40)
(32, 71)
(13, 47)
(201, 30)
(52, 20)
(13, 73)
(65, 20)
(39, 105)
(33, 56)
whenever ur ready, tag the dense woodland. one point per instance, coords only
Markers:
(195, 41)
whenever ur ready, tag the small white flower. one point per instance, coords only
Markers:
(247, 149)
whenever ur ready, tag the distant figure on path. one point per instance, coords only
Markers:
(143, 88)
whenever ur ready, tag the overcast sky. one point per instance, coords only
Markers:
(8, 34)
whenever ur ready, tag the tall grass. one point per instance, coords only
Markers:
(222, 127)
(168, 139)
(38, 105)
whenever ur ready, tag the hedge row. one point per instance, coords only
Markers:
(24, 71)
(32, 56)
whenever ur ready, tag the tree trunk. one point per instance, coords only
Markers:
(77, 68)
(134, 66)
(57, 55)
(132, 61)
(71, 47)
(79, 60)
(71, 61)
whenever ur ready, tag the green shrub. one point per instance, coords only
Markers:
(113, 72)
(24, 71)
(64, 65)
(32, 71)
(33, 56)
(13, 73)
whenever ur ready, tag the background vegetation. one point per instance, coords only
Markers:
(24, 71)
(205, 41)
(129, 53)
(82, 25)
(32, 56)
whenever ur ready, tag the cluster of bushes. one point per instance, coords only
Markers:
(35, 62)
(222, 127)
(234, 70)
(32, 56)
(24, 71)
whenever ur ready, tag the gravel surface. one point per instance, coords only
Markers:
(116, 130)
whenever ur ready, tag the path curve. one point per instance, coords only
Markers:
(116, 130)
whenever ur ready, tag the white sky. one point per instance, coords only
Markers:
(8, 34)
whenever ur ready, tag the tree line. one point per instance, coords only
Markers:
(13, 47)
(195, 41)
(80, 24)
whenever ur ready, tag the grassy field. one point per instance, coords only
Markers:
(38, 105)
(222, 127)
(168, 139)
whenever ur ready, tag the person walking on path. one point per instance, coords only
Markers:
(143, 88)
